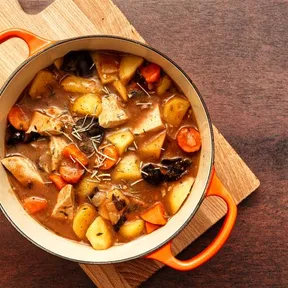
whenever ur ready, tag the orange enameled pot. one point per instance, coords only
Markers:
(156, 245)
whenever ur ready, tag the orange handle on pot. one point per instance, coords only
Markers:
(35, 43)
(164, 254)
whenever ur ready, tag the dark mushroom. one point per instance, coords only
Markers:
(119, 203)
(138, 78)
(169, 170)
(96, 130)
(136, 86)
(120, 222)
(32, 136)
(92, 127)
(16, 136)
(173, 169)
(152, 174)
(88, 128)
(79, 63)
(86, 146)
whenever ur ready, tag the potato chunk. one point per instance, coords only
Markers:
(40, 83)
(45, 125)
(22, 169)
(174, 110)
(81, 85)
(132, 229)
(128, 67)
(121, 89)
(112, 115)
(56, 145)
(152, 148)
(177, 195)
(84, 216)
(88, 104)
(127, 169)
(107, 66)
(121, 140)
(164, 85)
(99, 234)
(85, 187)
(64, 208)
(151, 122)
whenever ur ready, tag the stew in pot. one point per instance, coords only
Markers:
(102, 147)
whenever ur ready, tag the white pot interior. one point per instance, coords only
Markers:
(145, 244)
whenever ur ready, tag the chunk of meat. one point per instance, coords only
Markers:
(44, 162)
(45, 125)
(112, 115)
(56, 145)
(40, 84)
(22, 169)
(61, 115)
(64, 208)
(151, 122)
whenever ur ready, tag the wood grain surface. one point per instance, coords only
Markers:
(236, 54)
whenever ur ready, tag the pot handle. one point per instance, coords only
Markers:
(164, 254)
(34, 42)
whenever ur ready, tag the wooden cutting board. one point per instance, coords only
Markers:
(67, 18)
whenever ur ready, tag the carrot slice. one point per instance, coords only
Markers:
(155, 214)
(71, 172)
(151, 72)
(34, 204)
(73, 151)
(58, 181)
(189, 139)
(18, 118)
(111, 152)
(151, 227)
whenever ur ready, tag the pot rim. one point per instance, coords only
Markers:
(180, 228)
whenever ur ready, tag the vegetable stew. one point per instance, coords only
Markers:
(102, 147)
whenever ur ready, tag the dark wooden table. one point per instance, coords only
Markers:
(237, 54)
